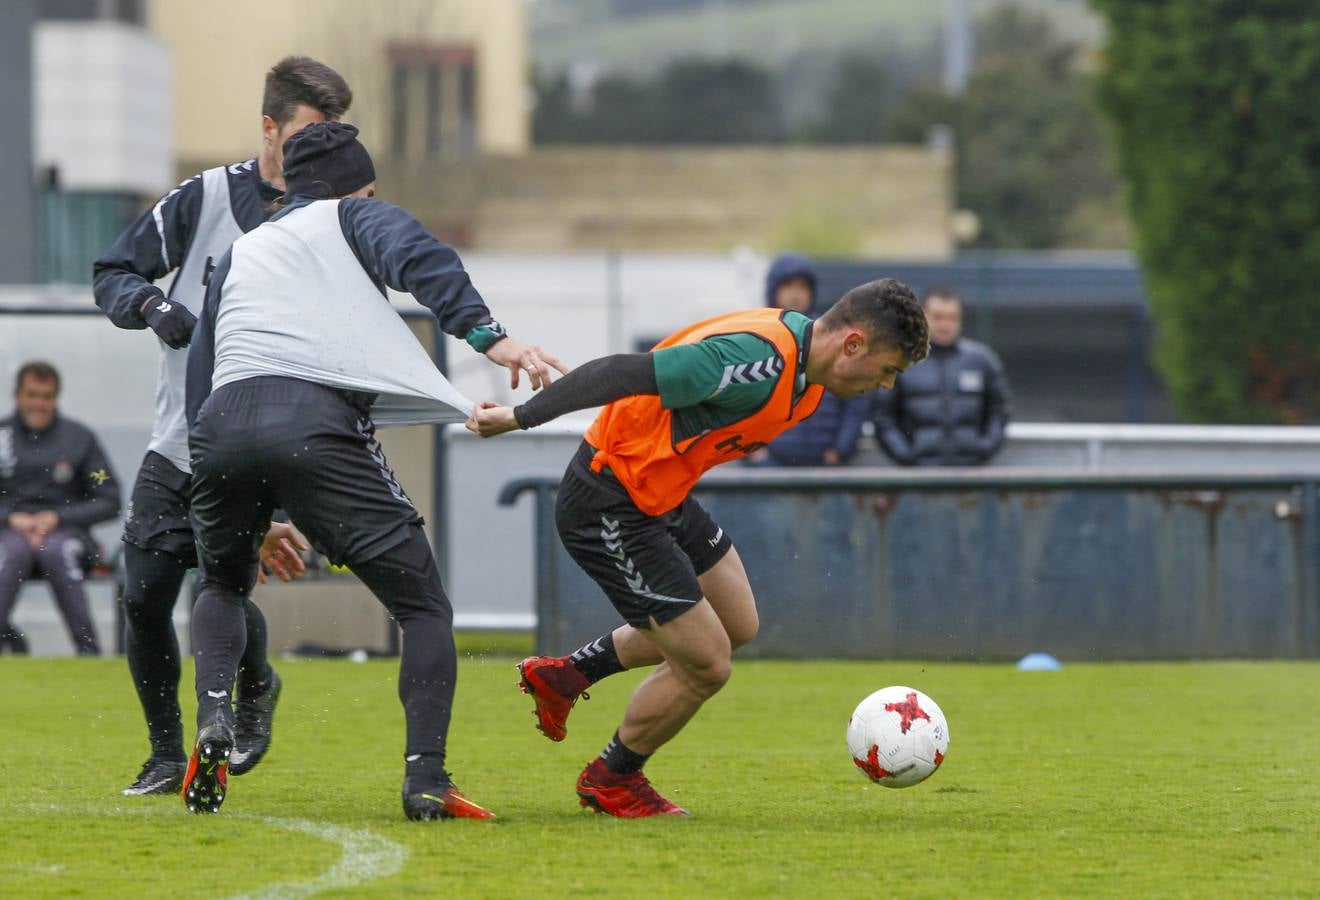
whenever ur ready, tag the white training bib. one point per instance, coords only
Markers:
(298, 304)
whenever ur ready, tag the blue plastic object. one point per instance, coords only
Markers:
(1039, 662)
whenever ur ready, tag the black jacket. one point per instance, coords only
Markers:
(158, 241)
(950, 410)
(62, 468)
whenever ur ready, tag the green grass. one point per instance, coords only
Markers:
(1118, 780)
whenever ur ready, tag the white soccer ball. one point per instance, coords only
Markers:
(898, 736)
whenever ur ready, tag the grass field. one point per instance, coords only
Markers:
(1118, 780)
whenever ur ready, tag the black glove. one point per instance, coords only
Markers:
(171, 321)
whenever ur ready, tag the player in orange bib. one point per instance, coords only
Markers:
(708, 394)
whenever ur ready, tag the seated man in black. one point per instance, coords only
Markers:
(55, 484)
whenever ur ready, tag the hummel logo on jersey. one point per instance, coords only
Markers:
(750, 373)
(164, 307)
(217, 695)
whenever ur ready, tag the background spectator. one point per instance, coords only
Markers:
(55, 484)
(829, 437)
(953, 408)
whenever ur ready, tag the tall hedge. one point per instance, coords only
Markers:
(1215, 108)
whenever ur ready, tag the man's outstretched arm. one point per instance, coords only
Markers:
(683, 375)
(592, 384)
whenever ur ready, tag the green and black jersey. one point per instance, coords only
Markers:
(725, 378)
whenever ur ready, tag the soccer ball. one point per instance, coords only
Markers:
(898, 736)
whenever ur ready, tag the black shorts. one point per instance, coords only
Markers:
(279, 443)
(158, 510)
(646, 565)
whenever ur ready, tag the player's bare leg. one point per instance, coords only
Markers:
(556, 683)
(730, 594)
(697, 664)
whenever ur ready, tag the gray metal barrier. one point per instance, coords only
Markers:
(993, 564)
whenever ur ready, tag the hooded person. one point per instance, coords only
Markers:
(298, 355)
(828, 438)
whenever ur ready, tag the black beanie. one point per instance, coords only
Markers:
(326, 160)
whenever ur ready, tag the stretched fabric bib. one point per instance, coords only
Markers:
(298, 304)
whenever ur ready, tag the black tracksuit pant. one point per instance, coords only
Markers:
(268, 443)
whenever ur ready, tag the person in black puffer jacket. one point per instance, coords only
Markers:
(953, 410)
(830, 436)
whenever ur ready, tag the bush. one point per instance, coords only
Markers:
(1217, 133)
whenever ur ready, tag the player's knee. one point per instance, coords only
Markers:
(706, 678)
(49, 554)
(141, 603)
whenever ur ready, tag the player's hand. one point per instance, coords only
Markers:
(281, 553)
(832, 457)
(171, 321)
(489, 419)
(518, 357)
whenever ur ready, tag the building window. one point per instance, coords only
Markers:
(433, 101)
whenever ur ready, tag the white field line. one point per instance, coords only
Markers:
(35, 868)
(366, 856)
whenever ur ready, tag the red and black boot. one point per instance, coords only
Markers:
(622, 796)
(555, 684)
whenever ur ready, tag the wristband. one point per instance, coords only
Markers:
(485, 336)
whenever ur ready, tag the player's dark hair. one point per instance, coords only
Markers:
(939, 292)
(37, 371)
(298, 80)
(888, 311)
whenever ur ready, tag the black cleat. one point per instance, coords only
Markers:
(159, 775)
(252, 727)
(426, 798)
(207, 777)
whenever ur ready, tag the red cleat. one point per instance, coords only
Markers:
(555, 684)
(622, 796)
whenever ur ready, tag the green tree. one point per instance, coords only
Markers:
(727, 102)
(689, 102)
(1031, 155)
(1217, 132)
(858, 103)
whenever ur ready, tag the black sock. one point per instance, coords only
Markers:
(254, 671)
(620, 760)
(598, 659)
(218, 636)
(425, 765)
(152, 579)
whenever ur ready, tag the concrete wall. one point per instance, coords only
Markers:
(892, 202)
(995, 564)
(223, 52)
(479, 469)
